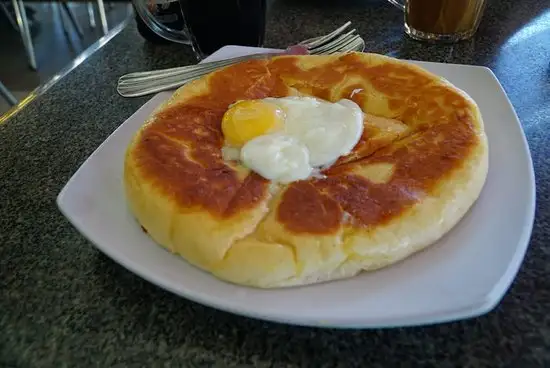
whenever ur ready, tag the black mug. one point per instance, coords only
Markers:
(210, 24)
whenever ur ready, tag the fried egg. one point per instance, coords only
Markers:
(286, 139)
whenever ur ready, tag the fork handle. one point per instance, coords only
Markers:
(143, 83)
(154, 88)
(137, 88)
(183, 69)
(144, 76)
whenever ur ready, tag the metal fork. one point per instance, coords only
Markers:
(144, 83)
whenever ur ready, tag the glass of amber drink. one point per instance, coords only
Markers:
(441, 20)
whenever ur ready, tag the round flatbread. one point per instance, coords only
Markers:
(419, 166)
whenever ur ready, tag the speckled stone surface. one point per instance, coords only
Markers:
(62, 303)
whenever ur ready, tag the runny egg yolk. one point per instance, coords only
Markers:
(249, 119)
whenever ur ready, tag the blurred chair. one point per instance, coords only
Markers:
(8, 15)
(5, 92)
(72, 17)
(91, 14)
(23, 25)
(102, 15)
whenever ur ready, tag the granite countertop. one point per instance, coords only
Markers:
(63, 303)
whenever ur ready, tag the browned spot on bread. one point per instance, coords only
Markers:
(304, 209)
(443, 138)
(210, 185)
(180, 151)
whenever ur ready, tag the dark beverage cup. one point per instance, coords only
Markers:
(212, 24)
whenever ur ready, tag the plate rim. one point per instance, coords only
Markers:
(486, 303)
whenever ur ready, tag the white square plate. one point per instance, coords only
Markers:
(463, 275)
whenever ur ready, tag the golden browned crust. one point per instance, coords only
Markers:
(422, 158)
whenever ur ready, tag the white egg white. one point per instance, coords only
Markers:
(315, 134)
(329, 130)
(277, 157)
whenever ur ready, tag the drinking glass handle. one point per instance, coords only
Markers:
(398, 4)
(170, 34)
